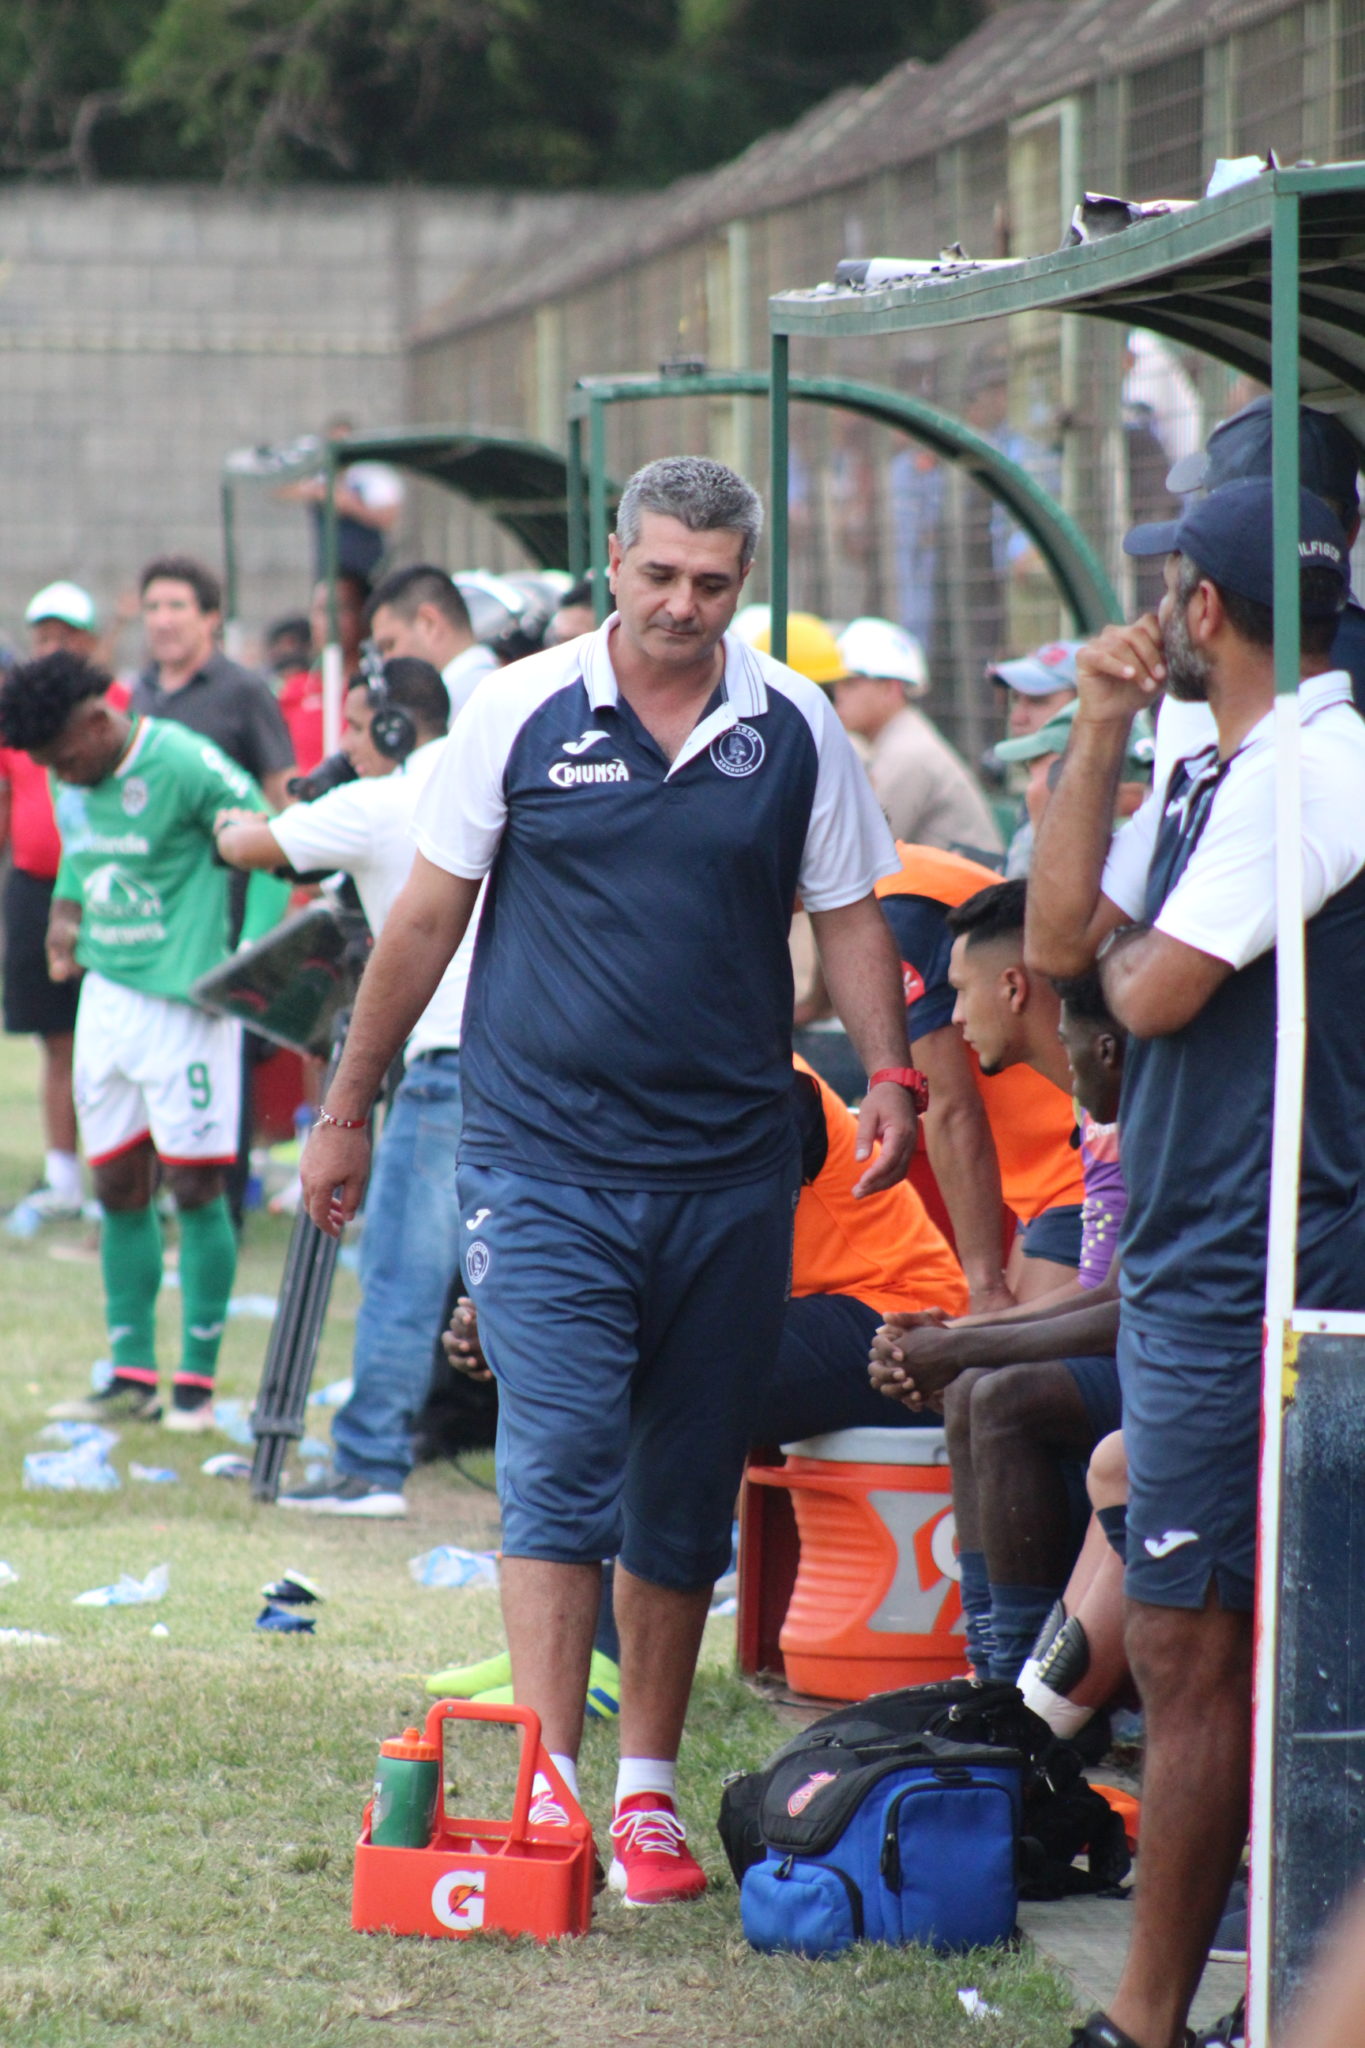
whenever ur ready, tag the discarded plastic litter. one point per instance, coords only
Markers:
(127, 1591)
(260, 1307)
(283, 1621)
(234, 1419)
(73, 1433)
(448, 1565)
(722, 1608)
(154, 1475)
(25, 1635)
(226, 1465)
(313, 1447)
(334, 1395)
(158, 1628)
(101, 1375)
(8, 1575)
(976, 2008)
(86, 1469)
(293, 1589)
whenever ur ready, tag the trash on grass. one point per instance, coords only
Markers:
(260, 1307)
(86, 1469)
(127, 1591)
(234, 1419)
(154, 1475)
(8, 1575)
(226, 1465)
(25, 1635)
(314, 1447)
(293, 1589)
(722, 1608)
(976, 2008)
(283, 1621)
(158, 1628)
(334, 1395)
(101, 1375)
(73, 1433)
(448, 1565)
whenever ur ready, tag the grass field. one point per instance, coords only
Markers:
(177, 1813)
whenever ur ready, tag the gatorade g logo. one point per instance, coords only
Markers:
(457, 1900)
(803, 1795)
(912, 981)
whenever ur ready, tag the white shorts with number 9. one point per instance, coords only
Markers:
(149, 1067)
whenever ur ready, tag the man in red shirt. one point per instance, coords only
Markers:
(61, 615)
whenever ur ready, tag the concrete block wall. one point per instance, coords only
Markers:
(144, 331)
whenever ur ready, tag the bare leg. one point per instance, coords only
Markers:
(976, 1599)
(1028, 1278)
(1193, 1672)
(59, 1107)
(550, 1612)
(1024, 1420)
(661, 1633)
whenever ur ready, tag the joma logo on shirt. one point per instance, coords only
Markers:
(568, 774)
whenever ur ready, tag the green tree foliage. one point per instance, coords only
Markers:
(490, 92)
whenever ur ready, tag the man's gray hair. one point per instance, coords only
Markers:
(701, 494)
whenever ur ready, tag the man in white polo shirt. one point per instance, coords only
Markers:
(411, 1246)
(1180, 914)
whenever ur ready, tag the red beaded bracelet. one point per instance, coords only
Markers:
(342, 1123)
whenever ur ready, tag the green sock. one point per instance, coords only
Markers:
(208, 1265)
(130, 1257)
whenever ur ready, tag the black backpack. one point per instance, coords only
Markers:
(1063, 1817)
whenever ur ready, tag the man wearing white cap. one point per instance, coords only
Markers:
(926, 790)
(61, 615)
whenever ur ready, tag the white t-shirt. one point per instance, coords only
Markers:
(375, 484)
(463, 675)
(365, 828)
(1224, 902)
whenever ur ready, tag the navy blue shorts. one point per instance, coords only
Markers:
(1055, 1235)
(632, 1334)
(821, 1382)
(1191, 1429)
(1097, 1381)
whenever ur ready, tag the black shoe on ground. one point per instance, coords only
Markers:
(346, 1493)
(1099, 2031)
(120, 1401)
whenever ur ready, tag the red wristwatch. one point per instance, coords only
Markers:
(909, 1078)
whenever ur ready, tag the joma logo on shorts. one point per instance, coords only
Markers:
(568, 774)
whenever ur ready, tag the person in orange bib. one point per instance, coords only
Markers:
(995, 1142)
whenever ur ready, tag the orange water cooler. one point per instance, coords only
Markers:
(876, 1602)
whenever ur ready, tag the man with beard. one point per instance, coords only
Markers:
(1180, 914)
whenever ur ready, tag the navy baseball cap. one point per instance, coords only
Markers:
(1329, 458)
(1230, 534)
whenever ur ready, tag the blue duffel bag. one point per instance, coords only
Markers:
(915, 1839)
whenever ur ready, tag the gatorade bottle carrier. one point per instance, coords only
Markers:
(876, 1604)
(476, 1874)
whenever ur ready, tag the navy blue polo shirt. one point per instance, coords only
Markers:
(630, 1003)
(1197, 1111)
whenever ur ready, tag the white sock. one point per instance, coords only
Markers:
(62, 1172)
(645, 1774)
(568, 1771)
(1063, 1716)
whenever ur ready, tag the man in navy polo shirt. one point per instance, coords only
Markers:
(647, 803)
(1180, 914)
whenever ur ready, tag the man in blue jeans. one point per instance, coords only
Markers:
(411, 1243)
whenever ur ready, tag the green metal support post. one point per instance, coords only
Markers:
(597, 508)
(777, 496)
(573, 493)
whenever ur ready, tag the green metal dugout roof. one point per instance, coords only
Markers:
(1200, 276)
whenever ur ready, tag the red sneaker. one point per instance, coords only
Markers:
(653, 1865)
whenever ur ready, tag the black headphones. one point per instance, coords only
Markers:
(393, 729)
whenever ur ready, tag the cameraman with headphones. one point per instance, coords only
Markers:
(396, 713)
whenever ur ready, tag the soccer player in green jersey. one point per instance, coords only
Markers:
(139, 910)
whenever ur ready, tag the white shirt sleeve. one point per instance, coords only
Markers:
(336, 831)
(461, 814)
(1224, 903)
(1124, 880)
(375, 484)
(848, 843)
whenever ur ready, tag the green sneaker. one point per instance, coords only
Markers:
(604, 1688)
(466, 1681)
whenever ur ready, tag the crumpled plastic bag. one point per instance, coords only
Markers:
(83, 1469)
(127, 1591)
(448, 1565)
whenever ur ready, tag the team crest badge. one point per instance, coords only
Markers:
(803, 1795)
(476, 1262)
(134, 798)
(739, 751)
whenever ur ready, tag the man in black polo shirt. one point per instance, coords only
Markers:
(1180, 913)
(647, 802)
(191, 680)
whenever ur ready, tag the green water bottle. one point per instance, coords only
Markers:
(407, 1785)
